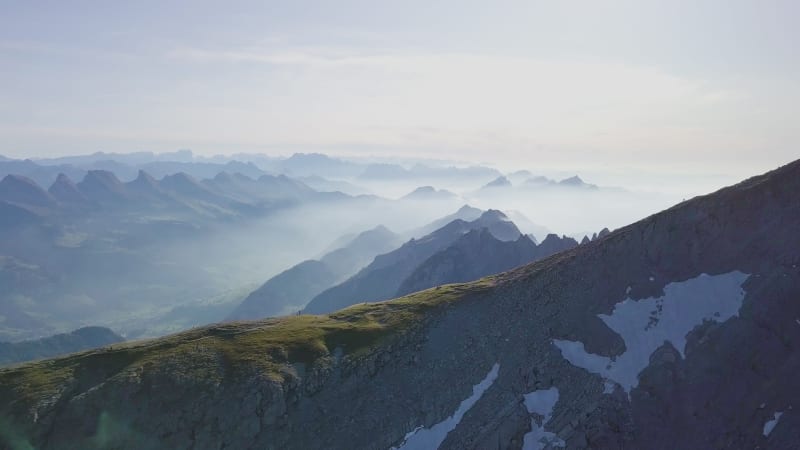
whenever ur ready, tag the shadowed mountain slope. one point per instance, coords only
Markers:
(478, 254)
(381, 279)
(59, 344)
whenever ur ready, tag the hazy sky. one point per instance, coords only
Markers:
(621, 84)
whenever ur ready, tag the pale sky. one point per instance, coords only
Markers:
(697, 84)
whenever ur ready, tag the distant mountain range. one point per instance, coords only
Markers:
(225, 194)
(59, 344)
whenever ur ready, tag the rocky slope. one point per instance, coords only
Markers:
(679, 331)
(59, 344)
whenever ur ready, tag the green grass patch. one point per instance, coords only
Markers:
(227, 350)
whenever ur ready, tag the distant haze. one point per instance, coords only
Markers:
(664, 87)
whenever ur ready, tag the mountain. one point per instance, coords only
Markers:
(472, 256)
(526, 225)
(59, 344)
(65, 191)
(498, 224)
(188, 188)
(553, 244)
(311, 164)
(429, 193)
(24, 191)
(466, 213)
(678, 331)
(478, 254)
(145, 184)
(499, 182)
(576, 181)
(16, 216)
(292, 289)
(321, 184)
(362, 249)
(539, 181)
(287, 292)
(202, 170)
(283, 186)
(41, 174)
(381, 279)
(103, 186)
(519, 176)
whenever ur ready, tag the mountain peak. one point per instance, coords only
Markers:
(494, 214)
(500, 181)
(428, 193)
(65, 190)
(576, 181)
(22, 190)
(101, 185)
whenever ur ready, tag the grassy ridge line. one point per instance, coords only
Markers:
(226, 349)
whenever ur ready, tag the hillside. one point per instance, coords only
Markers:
(679, 331)
(59, 344)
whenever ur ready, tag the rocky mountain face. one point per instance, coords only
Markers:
(292, 289)
(478, 254)
(679, 331)
(59, 344)
(381, 279)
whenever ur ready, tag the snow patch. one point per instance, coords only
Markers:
(646, 324)
(652, 278)
(771, 423)
(608, 386)
(541, 402)
(431, 438)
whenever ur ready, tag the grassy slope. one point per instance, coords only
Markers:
(268, 345)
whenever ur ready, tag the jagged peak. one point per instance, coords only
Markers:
(144, 176)
(19, 179)
(494, 214)
(500, 181)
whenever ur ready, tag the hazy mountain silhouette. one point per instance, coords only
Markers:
(382, 278)
(292, 289)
